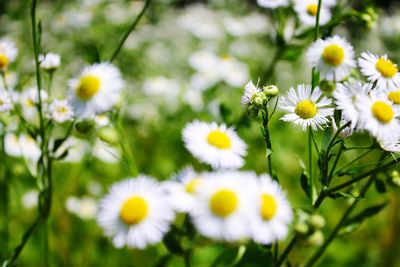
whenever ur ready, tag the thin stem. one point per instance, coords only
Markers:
(286, 252)
(49, 82)
(330, 175)
(129, 30)
(187, 258)
(4, 193)
(344, 218)
(267, 139)
(354, 160)
(310, 163)
(363, 176)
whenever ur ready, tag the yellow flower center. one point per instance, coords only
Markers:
(333, 55)
(223, 203)
(382, 111)
(3, 61)
(219, 139)
(193, 185)
(312, 9)
(62, 110)
(394, 97)
(306, 109)
(88, 86)
(134, 210)
(268, 207)
(386, 67)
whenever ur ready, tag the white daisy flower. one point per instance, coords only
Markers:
(85, 207)
(378, 116)
(8, 53)
(379, 69)
(96, 90)
(135, 213)
(346, 95)
(307, 12)
(214, 144)
(394, 96)
(182, 189)
(50, 61)
(60, 111)
(390, 144)
(306, 108)
(11, 145)
(273, 213)
(332, 57)
(272, 3)
(223, 206)
(250, 91)
(28, 100)
(29, 147)
(5, 101)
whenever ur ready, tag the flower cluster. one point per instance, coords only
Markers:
(371, 105)
(227, 206)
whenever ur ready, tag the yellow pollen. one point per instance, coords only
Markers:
(88, 87)
(62, 109)
(223, 203)
(312, 9)
(394, 97)
(306, 109)
(219, 139)
(333, 55)
(382, 111)
(3, 61)
(193, 185)
(268, 207)
(134, 210)
(386, 67)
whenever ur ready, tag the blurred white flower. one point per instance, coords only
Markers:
(5, 101)
(50, 61)
(105, 152)
(8, 53)
(60, 111)
(77, 149)
(201, 22)
(96, 90)
(30, 199)
(85, 208)
(101, 120)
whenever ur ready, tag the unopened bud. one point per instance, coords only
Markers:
(395, 178)
(271, 90)
(109, 135)
(327, 86)
(317, 221)
(259, 99)
(301, 228)
(316, 239)
(84, 126)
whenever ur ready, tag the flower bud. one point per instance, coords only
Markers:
(316, 221)
(395, 178)
(84, 126)
(258, 99)
(316, 239)
(327, 86)
(109, 135)
(270, 90)
(301, 228)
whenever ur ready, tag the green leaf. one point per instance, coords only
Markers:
(326, 139)
(227, 257)
(172, 243)
(349, 229)
(380, 186)
(366, 213)
(343, 195)
(58, 143)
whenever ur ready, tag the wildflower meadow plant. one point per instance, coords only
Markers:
(182, 159)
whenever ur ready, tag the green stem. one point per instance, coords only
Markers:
(286, 252)
(344, 218)
(267, 140)
(310, 163)
(330, 175)
(354, 160)
(129, 30)
(4, 193)
(50, 80)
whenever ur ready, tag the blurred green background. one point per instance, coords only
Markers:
(164, 92)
